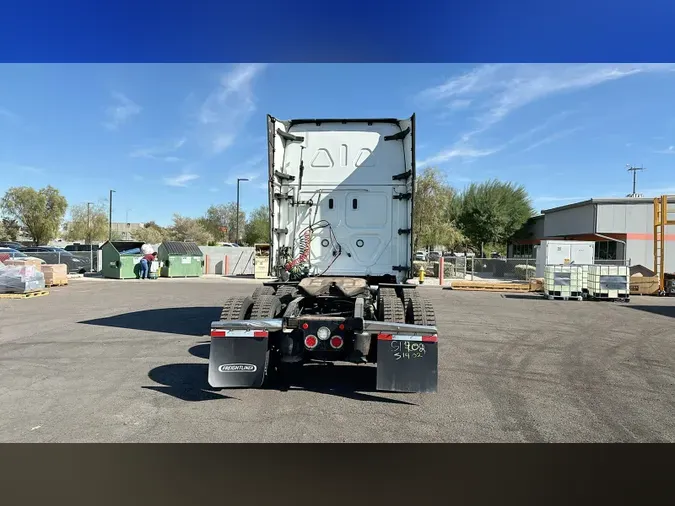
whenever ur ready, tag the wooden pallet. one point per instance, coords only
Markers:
(28, 295)
(62, 283)
(563, 297)
(624, 298)
(490, 287)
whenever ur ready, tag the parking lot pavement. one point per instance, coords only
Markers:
(115, 361)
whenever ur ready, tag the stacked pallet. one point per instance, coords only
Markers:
(489, 287)
(55, 274)
(20, 279)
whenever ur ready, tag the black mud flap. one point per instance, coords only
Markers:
(238, 358)
(407, 363)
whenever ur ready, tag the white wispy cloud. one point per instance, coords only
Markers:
(229, 106)
(180, 180)
(457, 151)
(17, 167)
(161, 152)
(670, 150)
(252, 168)
(553, 137)
(498, 90)
(9, 115)
(120, 112)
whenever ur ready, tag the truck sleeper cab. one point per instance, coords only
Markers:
(341, 202)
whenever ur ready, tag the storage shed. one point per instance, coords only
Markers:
(180, 259)
(121, 259)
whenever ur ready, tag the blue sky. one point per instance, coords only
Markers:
(172, 138)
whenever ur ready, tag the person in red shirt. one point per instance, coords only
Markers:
(145, 264)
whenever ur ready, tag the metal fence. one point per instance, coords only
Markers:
(77, 262)
(471, 268)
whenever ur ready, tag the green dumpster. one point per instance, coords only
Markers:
(120, 265)
(180, 259)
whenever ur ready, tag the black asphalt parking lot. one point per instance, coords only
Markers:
(126, 361)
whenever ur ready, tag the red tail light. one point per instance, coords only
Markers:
(341, 326)
(305, 326)
(336, 342)
(311, 342)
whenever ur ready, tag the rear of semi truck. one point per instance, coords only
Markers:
(341, 207)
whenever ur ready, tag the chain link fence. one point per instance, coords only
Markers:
(507, 269)
(77, 262)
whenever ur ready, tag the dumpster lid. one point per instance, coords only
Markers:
(124, 245)
(182, 248)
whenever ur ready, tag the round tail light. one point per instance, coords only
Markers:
(336, 342)
(311, 342)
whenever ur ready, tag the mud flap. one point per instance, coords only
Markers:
(407, 363)
(238, 358)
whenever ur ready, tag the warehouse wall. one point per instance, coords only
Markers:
(625, 218)
(571, 221)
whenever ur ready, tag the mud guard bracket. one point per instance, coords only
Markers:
(407, 363)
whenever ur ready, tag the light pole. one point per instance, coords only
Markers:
(91, 253)
(239, 179)
(128, 234)
(110, 217)
(89, 204)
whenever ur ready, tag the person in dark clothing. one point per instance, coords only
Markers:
(145, 264)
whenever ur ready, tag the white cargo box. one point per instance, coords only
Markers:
(608, 281)
(563, 253)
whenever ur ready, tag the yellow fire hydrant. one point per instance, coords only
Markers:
(421, 275)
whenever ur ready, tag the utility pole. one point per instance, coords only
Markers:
(91, 249)
(89, 204)
(128, 234)
(236, 218)
(110, 217)
(634, 170)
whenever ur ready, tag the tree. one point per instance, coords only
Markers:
(40, 212)
(492, 211)
(257, 228)
(9, 229)
(88, 222)
(221, 217)
(188, 230)
(435, 211)
(151, 233)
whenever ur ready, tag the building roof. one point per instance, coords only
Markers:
(622, 200)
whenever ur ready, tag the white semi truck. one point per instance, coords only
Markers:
(341, 206)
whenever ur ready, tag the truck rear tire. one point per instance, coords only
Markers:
(420, 311)
(265, 306)
(387, 292)
(286, 293)
(236, 308)
(262, 290)
(391, 310)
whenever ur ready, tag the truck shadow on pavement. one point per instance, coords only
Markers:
(187, 382)
(348, 381)
(659, 310)
(194, 321)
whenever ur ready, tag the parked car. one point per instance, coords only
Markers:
(82, 247)
(7, 253)
(54, 255)
(10, 244)
(421, 256)
(230, 244)
(434, 256)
